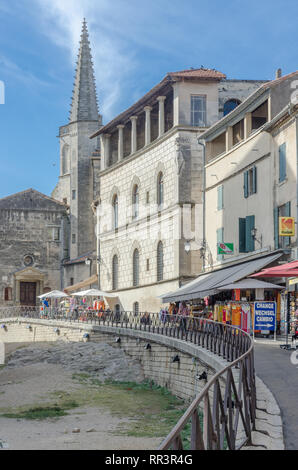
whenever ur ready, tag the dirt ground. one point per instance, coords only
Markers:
(42, 374)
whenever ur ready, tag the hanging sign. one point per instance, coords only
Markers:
(286, 226)
(293, 281)
(225, 248)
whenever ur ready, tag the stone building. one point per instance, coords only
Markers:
(151, 179)
(33, 240)
(251, 175)
(144, 173)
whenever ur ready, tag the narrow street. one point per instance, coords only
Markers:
(273, 365)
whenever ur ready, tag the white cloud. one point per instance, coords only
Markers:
(11, 69)
(61, 21)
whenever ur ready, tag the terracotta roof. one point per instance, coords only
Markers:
(192, 74)
(201, 73)
(279, 80)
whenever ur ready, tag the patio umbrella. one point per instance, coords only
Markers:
(54, 294)
(94, 293)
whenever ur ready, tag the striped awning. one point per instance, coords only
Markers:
(87, 282)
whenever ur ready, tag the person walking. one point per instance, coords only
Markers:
(183, 313)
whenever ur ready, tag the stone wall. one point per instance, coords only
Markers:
(32, 235)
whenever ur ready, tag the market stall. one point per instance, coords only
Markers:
(50, 303)
(92, 301)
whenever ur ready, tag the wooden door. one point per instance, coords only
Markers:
(28, 293)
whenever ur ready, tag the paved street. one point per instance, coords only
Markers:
(274, 367)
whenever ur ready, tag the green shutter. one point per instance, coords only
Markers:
(246, 184)
(254, 180)
(282, 163)
(242, 224)
(249, 241)
(276, 234)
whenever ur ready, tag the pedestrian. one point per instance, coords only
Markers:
(183, 312)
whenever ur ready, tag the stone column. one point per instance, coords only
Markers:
(161, 115)
(120, 142)
(133, 133)
(107, 150)
(229, 138)
(147, 110)
(247, 125)
(102, 152)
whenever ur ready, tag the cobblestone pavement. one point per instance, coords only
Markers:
(273, 365)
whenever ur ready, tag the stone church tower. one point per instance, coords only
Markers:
(75, 185)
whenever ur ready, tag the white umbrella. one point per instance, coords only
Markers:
(94, 293)
(54, 294)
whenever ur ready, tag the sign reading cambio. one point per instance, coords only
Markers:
(286, 226)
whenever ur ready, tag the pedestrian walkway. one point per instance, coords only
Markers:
(273, 365)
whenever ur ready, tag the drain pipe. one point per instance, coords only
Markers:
(203, 145)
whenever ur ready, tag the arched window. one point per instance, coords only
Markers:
(136, 308)
(160, 192)
(136, 263)
(230, 105)
(160, 261)
(115, 211)
(115, 272)
(135, 202)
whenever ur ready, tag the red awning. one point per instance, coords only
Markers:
(284, 270)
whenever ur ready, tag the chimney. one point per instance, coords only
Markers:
(278, 73)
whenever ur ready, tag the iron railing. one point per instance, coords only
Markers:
(222, 416)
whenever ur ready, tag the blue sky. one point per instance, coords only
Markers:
(134, 44)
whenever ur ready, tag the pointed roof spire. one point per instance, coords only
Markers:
(84, 101)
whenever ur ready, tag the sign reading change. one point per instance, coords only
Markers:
(225, 248)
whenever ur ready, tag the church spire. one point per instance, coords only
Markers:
(84, 105)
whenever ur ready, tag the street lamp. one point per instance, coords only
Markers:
(187, 246)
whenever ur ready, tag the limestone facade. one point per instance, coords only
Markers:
(155, 138)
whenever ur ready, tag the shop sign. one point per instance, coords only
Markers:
(286, 226)
(225, 248)
(265, 316)
(293, 281)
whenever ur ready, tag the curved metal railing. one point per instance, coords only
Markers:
(222, 416)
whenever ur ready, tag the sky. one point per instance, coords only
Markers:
(134, 44)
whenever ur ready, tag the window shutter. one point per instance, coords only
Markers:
(136, 268)
(282, 162)
(254, 180)
(249, 241)
(246, 184)
(160, 262)
(115, 272)
(276, 234)
(242, 224)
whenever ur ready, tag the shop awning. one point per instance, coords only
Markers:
(87, 282)
(209, 283)
(250, 284)
(283, 270)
